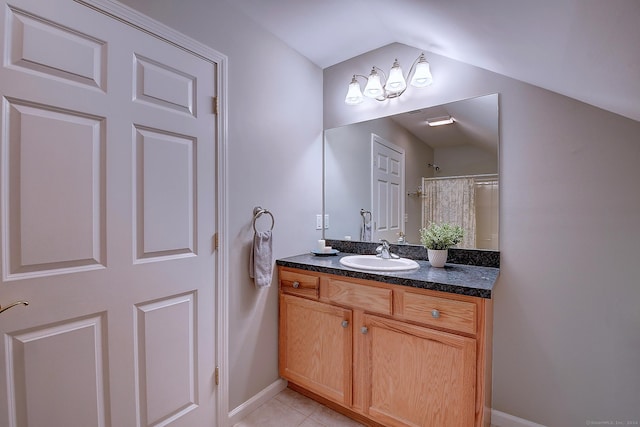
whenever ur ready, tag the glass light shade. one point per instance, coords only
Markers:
(396, 82)
(373, 89)
(354, 94)
(422, 76)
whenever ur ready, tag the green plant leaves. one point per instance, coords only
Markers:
(441, 236)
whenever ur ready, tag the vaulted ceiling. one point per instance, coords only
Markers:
(584, 49)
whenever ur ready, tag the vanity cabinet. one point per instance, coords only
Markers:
(386, 354)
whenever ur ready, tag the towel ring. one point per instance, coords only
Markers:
(257, 213)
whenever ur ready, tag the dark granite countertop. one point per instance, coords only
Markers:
(453, 278)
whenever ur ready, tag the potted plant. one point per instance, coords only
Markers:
(438, 238)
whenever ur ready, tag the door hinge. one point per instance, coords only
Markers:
(216, 242)
(217, 375)
(215, 105)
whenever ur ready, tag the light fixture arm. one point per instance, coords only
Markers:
(361, 75)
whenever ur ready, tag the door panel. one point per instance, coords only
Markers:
(37, 170)
(166, 182)
(107, 172)
(75, 393)
(166, 377)
(40, 46)
(164, 86)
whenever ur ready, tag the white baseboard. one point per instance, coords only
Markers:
(256, 401)
(500, 419)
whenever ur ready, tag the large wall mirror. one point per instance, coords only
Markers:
(388, 177)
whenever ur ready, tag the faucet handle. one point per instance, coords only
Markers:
(384, 250)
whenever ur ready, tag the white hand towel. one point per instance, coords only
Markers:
(365, 232)
(260, 259)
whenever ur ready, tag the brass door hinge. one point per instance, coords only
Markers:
(217, 375)
(216, 107)
(216, 242)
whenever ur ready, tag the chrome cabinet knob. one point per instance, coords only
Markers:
(345, 323)
(364, 330)
(296, 284)
(435, 314)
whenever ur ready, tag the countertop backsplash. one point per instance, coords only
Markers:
(477, 257)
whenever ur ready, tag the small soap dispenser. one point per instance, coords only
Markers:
(402, 238)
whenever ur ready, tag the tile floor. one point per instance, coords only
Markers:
(291, 409)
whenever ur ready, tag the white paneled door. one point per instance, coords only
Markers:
(107, 195)
(387, 188)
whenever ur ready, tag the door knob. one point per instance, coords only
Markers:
(345, 323)
(364, 330)
(13, 304)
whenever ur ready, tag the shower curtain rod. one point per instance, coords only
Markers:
(486, 176)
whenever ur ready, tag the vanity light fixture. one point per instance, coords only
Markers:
(439, 121)
(391, 87)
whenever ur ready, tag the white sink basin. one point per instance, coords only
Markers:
(375, 263)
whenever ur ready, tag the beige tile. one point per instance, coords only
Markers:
(273, 414)
(310, 422)
(329, 418)
(298, 402)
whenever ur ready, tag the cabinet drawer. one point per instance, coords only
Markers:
(446, 313)
(300, 284)
(369, 298)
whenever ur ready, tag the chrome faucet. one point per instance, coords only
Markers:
(384, 251)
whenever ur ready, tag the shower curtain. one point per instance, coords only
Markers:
(451, 200)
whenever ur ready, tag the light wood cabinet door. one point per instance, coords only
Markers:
(417, 376)
(316, 347)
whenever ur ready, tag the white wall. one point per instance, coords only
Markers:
(275, 151)
(567, 317)
(464, 159)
